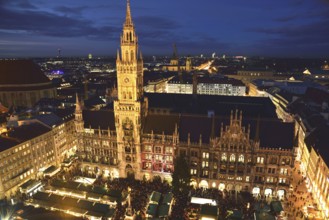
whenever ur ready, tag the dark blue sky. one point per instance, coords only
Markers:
(282, 28)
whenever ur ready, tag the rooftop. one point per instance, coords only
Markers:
(219, 105)
(207, 127)
(103, 119)
(21, 72)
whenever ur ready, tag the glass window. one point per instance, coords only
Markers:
(241, 158)
(224, 157)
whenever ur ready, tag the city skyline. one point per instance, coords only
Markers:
(98, 140)
(38, 28)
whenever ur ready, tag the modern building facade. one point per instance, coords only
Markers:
(205, 86)
(28, 149)
(221, 87)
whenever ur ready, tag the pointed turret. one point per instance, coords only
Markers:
(257, 129)
(118, 55)
(78, 121)
(140, 55)
(77, 104)
(129, 21)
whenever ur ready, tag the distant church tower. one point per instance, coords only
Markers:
(129, 107)
(188, 66)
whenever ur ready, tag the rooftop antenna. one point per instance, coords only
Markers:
(59, 53)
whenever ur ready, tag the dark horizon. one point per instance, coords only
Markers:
(147, 56)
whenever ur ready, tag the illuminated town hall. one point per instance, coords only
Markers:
(232, 143)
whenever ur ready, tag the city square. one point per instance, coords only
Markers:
(157, 137)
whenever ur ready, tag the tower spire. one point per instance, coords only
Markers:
(77, 103)
(128, 21)
(118, 55)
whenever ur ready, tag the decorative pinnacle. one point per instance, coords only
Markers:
(128, 15)
(118, 55)
(77, 103)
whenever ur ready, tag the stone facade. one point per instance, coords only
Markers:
(30, 148)
(136, 142)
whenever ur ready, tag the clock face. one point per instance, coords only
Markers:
(126, 80)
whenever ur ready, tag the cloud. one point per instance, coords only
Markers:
(71, 10)
(22, 4)
(161, 41)
(286, 18)
(298, 40)
(154, 22)
(51, 24)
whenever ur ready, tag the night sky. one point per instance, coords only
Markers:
(281, 28)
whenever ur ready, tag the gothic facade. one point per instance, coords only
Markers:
(142, 139)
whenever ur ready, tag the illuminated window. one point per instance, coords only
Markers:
(224, 158)
(284, 171)
(282, 180)
(168, 150)
(205, 164)
(205, 155)
(205, 172)
(260, 160)
(232, 158)
(158, 157)
(168, 158)
(241, 158)
(215, 166)
(147, 148)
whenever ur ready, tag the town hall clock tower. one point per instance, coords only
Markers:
(130, 106)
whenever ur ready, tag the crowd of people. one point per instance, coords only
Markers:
(299, 197)
(226, 203)
(140, 191)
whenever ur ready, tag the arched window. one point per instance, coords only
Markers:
(132, 55)
(127, 57)
(232, 158)
(224, 157)
(241, 158)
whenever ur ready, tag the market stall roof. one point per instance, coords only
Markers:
(155, 197)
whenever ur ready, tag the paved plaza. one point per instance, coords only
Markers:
(298, 198)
